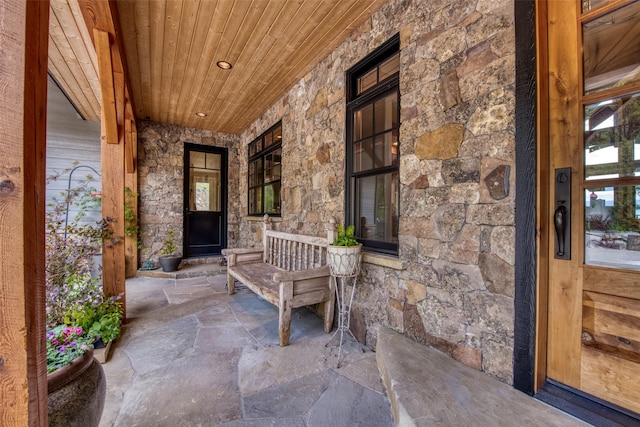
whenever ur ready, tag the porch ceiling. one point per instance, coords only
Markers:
(172, 48)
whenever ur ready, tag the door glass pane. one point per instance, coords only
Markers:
(196, 159)
(612, 138)
(204, 190)
(213, 161)
(612, 232)
(611, 51)
(377, 205)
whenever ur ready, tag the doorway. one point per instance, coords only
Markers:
(590, 201)
(205, 200)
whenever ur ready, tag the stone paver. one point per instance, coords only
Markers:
(191, 355)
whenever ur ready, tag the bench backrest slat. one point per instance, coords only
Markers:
(294, 251)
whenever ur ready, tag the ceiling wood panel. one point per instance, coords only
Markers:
(172, 47)
(73, 58)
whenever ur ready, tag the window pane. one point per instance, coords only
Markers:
(377, 206)
(196, 159)
(386, 113)
(363, 155)
(255, 200)
(390, 67)
(213, 161)
(272, 198)
(587, 5)
(255, 147)
(277, 134)
(612, 49)
(612, 138)
(612, 235)
(367, 81)
(387, 149)
(272, 166)
(363, 123)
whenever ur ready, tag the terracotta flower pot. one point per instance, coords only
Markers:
(77, 393)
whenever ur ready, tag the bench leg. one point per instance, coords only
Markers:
(231, 284)
(329, 306)
(284, 312)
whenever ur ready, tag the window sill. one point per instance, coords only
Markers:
(260, 218)
(384, 261)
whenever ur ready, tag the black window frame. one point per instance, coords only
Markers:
(355, 102)
(262, 152)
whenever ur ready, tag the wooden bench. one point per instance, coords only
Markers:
(288, 270)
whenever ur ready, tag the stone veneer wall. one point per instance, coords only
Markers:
(457, 77)
(161, 180)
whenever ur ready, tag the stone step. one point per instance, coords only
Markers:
(189, 268)
(426, 387)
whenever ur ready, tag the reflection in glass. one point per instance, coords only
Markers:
(363, 123)
(368, 80)
(587, 5)
(612, 138)
(611, 54)
(272, 198)
(389, 67)
(272, 166)
(612, 232)
(363, 155)
(377, 205)
(386, 113)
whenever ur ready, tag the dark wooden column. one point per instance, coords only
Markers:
(23, 90)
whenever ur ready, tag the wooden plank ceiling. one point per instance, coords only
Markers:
(172, 48)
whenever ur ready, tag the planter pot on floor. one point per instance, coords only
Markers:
(77, 393)
(170, 263)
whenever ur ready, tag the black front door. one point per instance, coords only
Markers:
(205, 200)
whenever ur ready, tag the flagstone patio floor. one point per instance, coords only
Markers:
(191, 355)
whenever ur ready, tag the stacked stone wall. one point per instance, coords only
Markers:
(161, 182)
(456, 170)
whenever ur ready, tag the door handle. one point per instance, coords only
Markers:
(562, 214)
(560, 222)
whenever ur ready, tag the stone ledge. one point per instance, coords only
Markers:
(384, 261)
(261, 218)
(425, 387)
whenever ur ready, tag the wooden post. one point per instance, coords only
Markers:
(266, 225)
(131, 198)
(113, 174)
(23, 73)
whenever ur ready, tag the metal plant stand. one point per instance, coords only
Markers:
(344, 270)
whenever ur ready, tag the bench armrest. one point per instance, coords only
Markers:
(292, 276)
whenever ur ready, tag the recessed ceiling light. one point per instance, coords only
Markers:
(200, 114)
(224, 65)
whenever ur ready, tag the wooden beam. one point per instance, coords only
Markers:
(107, 89)
(23, 73)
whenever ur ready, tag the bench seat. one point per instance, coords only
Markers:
(288, 271)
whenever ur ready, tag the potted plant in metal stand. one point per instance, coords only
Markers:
(169, 260)
(343, 254)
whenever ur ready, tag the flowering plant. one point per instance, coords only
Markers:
(64, 344)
